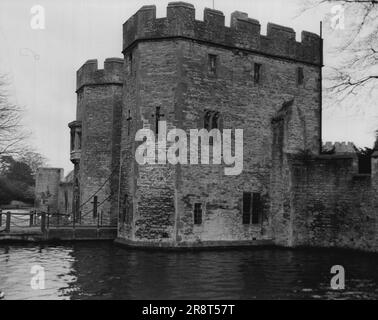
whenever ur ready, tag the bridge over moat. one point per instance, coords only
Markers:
(31, 226)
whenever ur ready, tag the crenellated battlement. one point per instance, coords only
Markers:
(339, 148)
(89, 74)
(243, 33)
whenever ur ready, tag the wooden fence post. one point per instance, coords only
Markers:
(48, 217)
(8, 222)
(31, 220)
(43, 222)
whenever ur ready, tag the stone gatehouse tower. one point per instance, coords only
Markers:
(191, 74)
(187, 68)
(196, 74)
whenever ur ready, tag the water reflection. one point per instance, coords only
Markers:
(105, 271)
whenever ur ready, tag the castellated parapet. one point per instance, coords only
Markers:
(339, 148)
(244, 32)
(188, 73)
(89, 74)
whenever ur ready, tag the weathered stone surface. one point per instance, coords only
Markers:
(173, 74)
(47, 189)
(99, 112)
(244, 32)
(333, 206)
(309, 195)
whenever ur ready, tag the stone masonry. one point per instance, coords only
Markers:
(47, 189)
(293, 191)
(167, 66)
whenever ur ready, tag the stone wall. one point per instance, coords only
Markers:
(66, 195)
(308, 197)
(319, 199)
(166, 64)
(47, 189)
(334, 206)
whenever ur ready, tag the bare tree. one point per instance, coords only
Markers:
(356, 69)
(33, 159)
(11, 134)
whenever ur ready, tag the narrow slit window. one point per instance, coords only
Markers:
(95, 205)
(124, 211)
(79, 140)
(257, 73)
(256, 208)
(72, 140)
(130, 62)
(212, 64)
(65, 202)
(207, 120)
(247, 197)
(197, 213)
(300, 76)
(215, 121)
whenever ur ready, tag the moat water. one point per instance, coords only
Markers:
(105, 271)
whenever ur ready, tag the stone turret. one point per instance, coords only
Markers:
(95, 136)
(89, 74)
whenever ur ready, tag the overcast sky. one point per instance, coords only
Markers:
(41, 64)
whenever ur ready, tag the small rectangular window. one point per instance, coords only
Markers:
(257, 73)
(79, 140)
(197, 213)
(212, 64)
(72, 140)
(95, 202)
(300, 76)
(125, 213)
(247, 197)
(256, 208)
(130, 62)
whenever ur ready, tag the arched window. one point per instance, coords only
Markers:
(215, 121)
(212, 120)
(207, 120)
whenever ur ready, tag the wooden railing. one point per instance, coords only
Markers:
(20, 220)
(43, 221)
